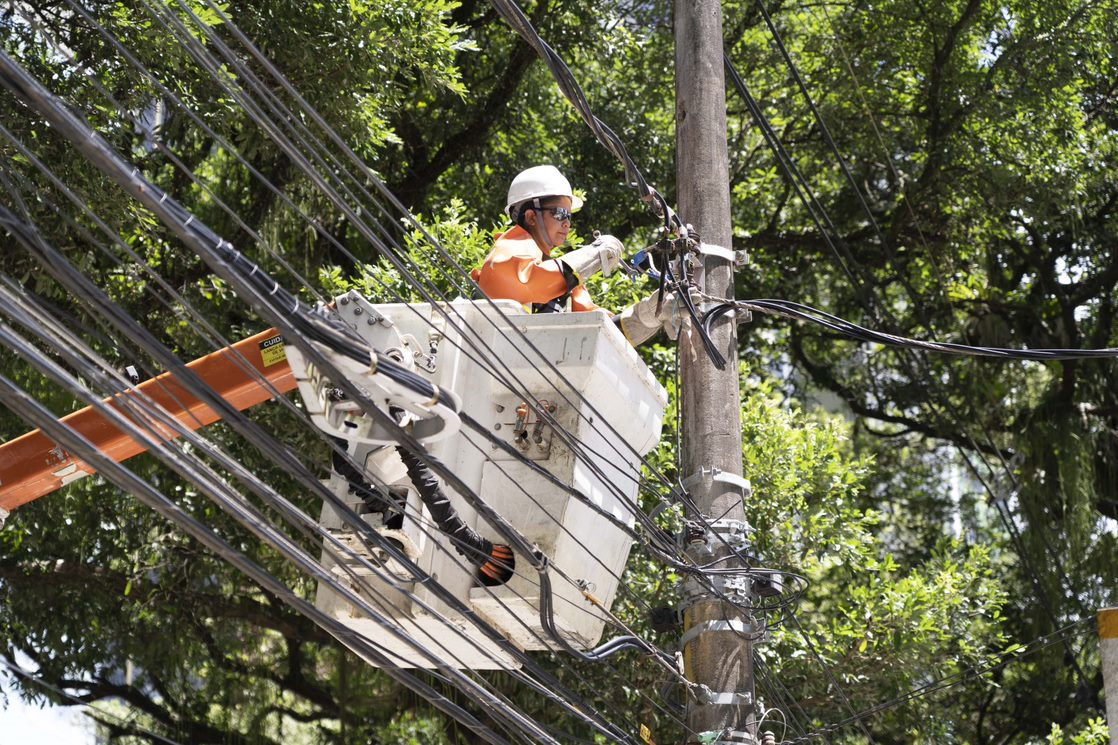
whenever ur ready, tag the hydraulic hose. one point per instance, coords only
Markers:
(495, 562)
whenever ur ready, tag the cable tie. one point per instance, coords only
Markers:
(275, 288)
(163, 198)
(188, 221)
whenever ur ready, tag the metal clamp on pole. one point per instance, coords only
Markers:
(710, 476)
(704, 538)
(713, 249)
(708, 697)
(732, 625)
(731, 737)
(734, 588)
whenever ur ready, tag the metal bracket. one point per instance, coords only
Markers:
(735, 588)
(741, 737)
(713, 249)
(731, 625)
(3, 517)
(709, 476)
(704, 542)
(708, 697)
(361, 307)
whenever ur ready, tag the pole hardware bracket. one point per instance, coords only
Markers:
(722, 539)
(707, 477)
(734, 737)
(719, 626)
(727, 737)
(708, 697)
(732, 588)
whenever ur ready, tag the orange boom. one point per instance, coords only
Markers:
(32, 465)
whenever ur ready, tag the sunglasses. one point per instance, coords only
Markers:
(559, 213)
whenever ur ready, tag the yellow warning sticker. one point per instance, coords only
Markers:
(646, 735)
(271, 351)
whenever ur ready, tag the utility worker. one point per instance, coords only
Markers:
(520, 266)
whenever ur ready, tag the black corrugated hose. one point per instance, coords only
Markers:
(495, 562)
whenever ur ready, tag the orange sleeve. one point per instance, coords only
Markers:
(580, 300)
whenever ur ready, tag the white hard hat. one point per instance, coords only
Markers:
(538, 182)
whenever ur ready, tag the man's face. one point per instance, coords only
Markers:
(552, 228)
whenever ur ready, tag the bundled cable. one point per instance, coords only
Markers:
(567, 83)
(846, 328)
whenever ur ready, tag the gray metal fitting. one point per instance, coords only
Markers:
(733, 625)
(734, 737)
(3, 517)
(721, 539)
(735, 588)
(708, 697)
(709, 476)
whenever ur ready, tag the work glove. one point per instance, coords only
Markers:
(604, 255)
(641, 320)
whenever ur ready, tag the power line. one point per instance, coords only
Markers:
(848, 329)
(792, 172)
(1001, 508)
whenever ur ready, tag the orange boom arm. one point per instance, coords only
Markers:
(32, 465)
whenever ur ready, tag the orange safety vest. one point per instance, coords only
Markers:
(516, 269)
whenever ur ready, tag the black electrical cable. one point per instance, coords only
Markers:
(1003, 512)
(286, 85)
(573, 92)
(256, 524)
(495, 563)
(802, 312)
(61, 261)
(273, 288)
(16, 400)
(795, 178)
(56, 261)
(616, 644)
(143, 412)
(217, 253)
(280, 79)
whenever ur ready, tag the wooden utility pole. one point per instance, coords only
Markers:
(718, 635)
(1108, 649)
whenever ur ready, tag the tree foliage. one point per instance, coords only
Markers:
(962, 508)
